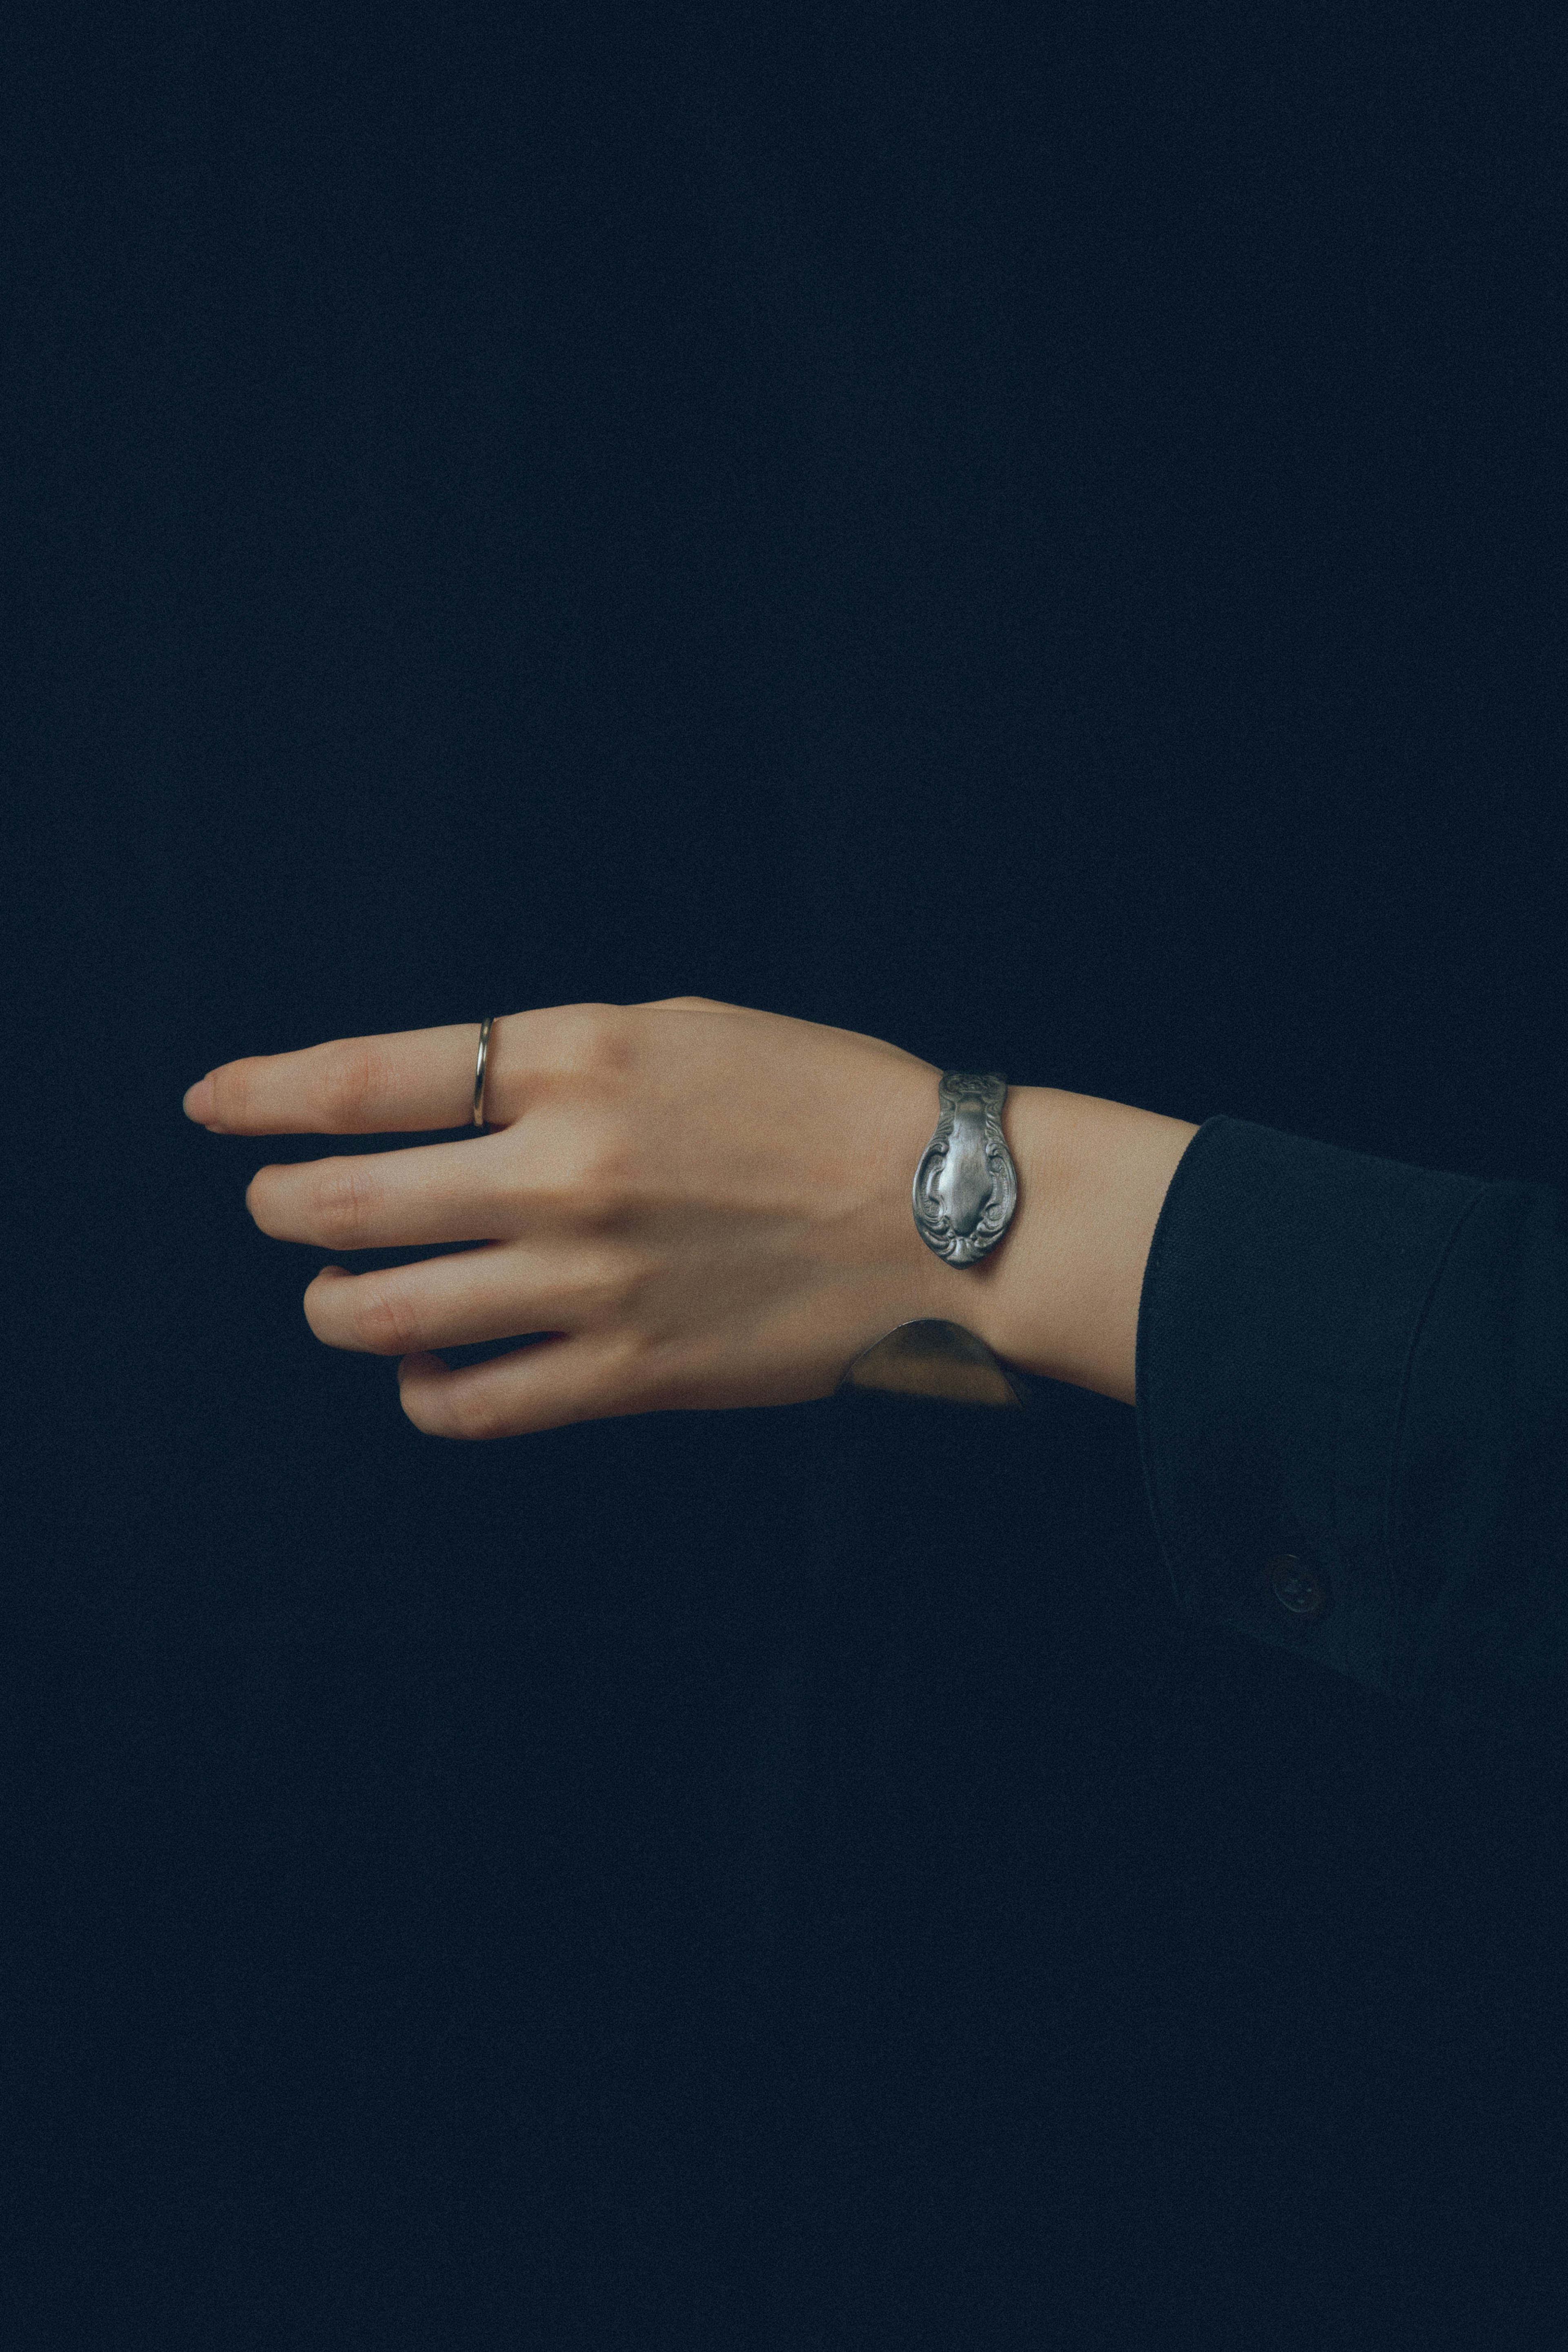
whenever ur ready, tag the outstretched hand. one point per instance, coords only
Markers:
(702, 1204)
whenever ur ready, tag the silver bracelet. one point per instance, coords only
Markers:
(966, 1190)
(937, 1359)
(965, 1187)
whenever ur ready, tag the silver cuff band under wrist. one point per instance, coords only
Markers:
(935, 1360)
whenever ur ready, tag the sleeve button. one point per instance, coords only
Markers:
(1295, 1587)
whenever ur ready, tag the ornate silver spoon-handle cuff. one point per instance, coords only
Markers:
(965, 1187)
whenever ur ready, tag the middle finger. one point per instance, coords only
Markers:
(442, 1302)
(385, 1199)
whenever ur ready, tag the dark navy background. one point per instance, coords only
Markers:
(1032, 533)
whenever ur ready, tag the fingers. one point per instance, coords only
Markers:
(412, 1079)
(385, 1199)
(416, 1078)
(446, 1302)
(544, 1387)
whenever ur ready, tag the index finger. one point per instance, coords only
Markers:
(414, 1079)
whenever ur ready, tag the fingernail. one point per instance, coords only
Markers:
(199, 1101)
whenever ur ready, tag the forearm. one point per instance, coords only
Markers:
(1060, 1297)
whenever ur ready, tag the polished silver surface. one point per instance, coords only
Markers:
(965, 1187)
(485, 1028)
(932, 1359)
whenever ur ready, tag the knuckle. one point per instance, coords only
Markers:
(603, 1203)
(611, 1170)
(593, 1180)
(341, 1203)
(607, 1286)
(383, 1321)
(641, 1376)
(608, 1282)
(351, 1078)
(597, 1041)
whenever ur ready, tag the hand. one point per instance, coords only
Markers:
(704, 1205)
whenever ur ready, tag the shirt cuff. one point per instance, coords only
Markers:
(1282, 1300)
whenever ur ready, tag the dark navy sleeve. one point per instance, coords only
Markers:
(1352, 1416)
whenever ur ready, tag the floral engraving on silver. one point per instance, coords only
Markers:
(965, 1187)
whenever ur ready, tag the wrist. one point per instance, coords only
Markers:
(1060, 1296)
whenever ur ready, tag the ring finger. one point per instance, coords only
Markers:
(385, 1199)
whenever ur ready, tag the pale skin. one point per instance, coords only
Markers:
(705, 1205)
